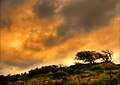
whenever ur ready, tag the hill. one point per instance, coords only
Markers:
(105, 73)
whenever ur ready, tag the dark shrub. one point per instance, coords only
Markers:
(3, 80)
(108, 66)
(15, 77)
(70, 71)
(78, 71)
(96, 67)
(59, 74)
(118, 75)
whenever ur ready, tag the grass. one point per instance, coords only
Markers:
(79, 74)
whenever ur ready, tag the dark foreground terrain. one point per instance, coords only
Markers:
(106, 73)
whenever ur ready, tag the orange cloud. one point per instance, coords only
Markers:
(30, 41)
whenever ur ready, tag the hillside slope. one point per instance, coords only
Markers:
(106, 73)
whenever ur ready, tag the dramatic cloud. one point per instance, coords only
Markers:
(7, 7)
(81, 16)
(86, 14)
(5, 23)
(45, 8)
(44, 32)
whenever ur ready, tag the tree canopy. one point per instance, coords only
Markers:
(91, 56)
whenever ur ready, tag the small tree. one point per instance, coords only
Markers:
(91, 56)
(107, 55)
(86, 56)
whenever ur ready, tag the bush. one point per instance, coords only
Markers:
(84, 75)
(70, 71)
(78, 71)
(92, 74)
(108, 66)
(83, 82)
(19, 83)
(118, 74)
(49, 74)
(96, 67)
(58, 75)
(95, 82)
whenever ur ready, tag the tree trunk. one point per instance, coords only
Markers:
(90, 62)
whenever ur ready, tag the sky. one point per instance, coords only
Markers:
(35, 33)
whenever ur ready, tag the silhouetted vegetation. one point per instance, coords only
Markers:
(91, 56)
(104, 73)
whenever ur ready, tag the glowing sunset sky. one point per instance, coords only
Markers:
(45, 32)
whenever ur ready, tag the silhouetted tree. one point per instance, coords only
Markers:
(91, 56)
(86, 56)
(107, 55)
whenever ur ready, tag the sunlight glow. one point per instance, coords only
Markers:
(15, 43)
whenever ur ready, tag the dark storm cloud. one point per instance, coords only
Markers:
(89, 13)
(7, 7)
(20, 60)
(5, 23)
(44, 8)
(24, 64)
(83, 16)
